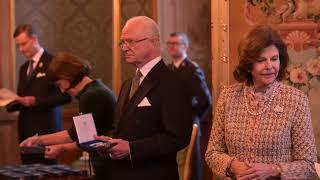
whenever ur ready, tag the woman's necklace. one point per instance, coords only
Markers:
(263, 110)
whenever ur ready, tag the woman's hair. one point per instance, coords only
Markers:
(69, 67)
(251, 47)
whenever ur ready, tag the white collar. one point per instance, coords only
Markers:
(147, 67)
(37, 56)
(179, 62)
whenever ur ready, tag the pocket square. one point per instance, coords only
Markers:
(39, 75)
(144, 102)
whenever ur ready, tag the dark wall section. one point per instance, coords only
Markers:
(78, 26)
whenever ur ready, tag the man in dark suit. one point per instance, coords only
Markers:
(154, 121)
(198, 92)
(39, 99)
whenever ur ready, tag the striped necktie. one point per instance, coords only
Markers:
(135, 83)
(30, 68)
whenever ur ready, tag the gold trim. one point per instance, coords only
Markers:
(116, 56)
(214, 50)
(225, 76)
(154, 10)
(220, 46)
(224, 59)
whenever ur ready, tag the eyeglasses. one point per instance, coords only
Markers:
(130, 42)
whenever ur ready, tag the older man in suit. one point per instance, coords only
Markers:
(39, 99)
(153, 121)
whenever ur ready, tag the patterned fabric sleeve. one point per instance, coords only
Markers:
(216, 156)
(303, 144)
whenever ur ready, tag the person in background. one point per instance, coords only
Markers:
(262, 128)
(71, 74)
(39, 100)
(198, 92)
(153, 116)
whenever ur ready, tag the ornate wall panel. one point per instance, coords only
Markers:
(82, 27)
(78, 26)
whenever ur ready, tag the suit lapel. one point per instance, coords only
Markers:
(24, 78)
(145, 87)
(124, 96)
(141, 93)
(40, 67)
(122, 102)
(125, 105)
(32, 76)
(34, 72)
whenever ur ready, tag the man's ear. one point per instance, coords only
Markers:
(34, 38)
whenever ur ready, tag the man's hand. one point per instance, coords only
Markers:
(53, 151)
(119, 151)
(31, 141)
(103, 153)
(26, 101)
(102, 138)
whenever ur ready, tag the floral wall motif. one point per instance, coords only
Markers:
(304, 75)
(298, 22)
(280, 11)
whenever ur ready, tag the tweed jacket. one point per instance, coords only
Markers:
(281, 135)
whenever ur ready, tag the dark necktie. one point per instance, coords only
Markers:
(30, 68)
(135, 83)
(174, 68)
